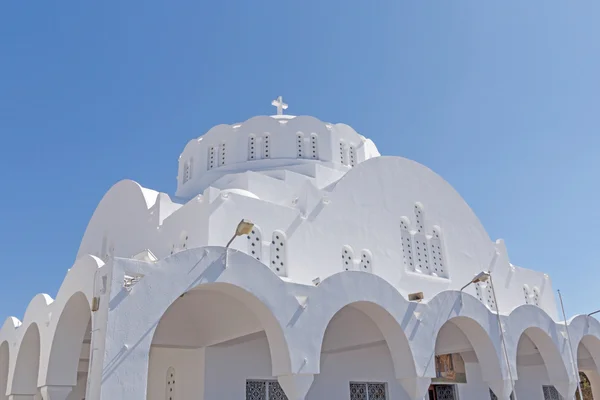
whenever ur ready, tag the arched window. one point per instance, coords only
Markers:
(279, 253)
(170, 391)
(490, 298)
(222, 154)
(352, 155)
(266, 146)
(314, 146)
(436, 252)
(407, 245)
(255, 243)
(211, 157)
(479, 292)
(299, 145)
(251, 147)
(421, 252)
(526, 294)
(343, 153)
(187, 171)
(347, 258)
(536, 296)
(366, 261)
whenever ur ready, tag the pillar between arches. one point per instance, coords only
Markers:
(416, 388)
(55, 392)
(502, 388)
(566, 388)
(296, 386)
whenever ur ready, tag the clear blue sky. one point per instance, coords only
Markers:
(501, 98)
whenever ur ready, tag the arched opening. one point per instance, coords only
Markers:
(4, 364)
(216, 341)
(587, 392)
(70, 353)
(466, 362)
(541, 371)
(588, 356)
(27, 367)
(356, 361)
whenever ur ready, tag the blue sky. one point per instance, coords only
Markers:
(500, 98)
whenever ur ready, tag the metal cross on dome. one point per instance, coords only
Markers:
(278, 102)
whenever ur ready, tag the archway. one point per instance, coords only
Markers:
(466, 361)
(215, 341)
(70, 352)
(25, 378)
(588, 356)
(4, 365)
(355, 356)
(540, 367)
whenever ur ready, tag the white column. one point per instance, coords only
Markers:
(296, 386)
(416, 388)
(55, 392)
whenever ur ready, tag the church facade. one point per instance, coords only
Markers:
(295, 262)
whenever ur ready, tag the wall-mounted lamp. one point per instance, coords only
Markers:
(480, 277)
(243, 228)
(416, 296)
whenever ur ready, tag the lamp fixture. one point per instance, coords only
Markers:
(243, 228)
(416, 296)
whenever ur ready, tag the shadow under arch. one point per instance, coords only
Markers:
(4, 365)
(382, 302)
(395, 338)
(246, 315)
(490, 361)
(27, 365)
(67, 342)
(535, 341)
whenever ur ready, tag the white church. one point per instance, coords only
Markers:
(294, 262)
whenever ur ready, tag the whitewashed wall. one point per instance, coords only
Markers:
(188, 366)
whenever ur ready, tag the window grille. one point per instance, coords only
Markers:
(550, 393)
(368, 391)
(264, 390)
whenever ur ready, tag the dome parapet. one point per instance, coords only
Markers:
(268, 142)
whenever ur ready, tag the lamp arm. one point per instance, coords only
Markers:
(230, 241)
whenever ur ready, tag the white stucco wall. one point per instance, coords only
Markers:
(188, 365)
(325, 219)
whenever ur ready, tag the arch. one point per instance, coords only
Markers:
(279, 253)
(244, 279)
(490, 361)
(553, 362)
(588, 353)
(204, 268)
(395, 338)
(206, 317)
(25, 375)
(588, 364)
(67, 341)
(373, 296)
(4, 365)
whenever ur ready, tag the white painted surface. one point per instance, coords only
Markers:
(327, 209)
(188, 365)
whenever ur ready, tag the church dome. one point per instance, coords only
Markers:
(269, 143)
